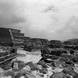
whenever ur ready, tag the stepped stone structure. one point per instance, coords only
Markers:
(11, 37)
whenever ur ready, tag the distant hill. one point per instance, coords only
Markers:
(71, 42)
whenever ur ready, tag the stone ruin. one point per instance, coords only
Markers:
(59, 58)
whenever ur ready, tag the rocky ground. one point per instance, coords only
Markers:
(25, 57)
(34, 70)
(58, 60)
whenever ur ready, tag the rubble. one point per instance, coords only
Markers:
(25, 57)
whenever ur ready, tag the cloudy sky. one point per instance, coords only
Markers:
(51, 19)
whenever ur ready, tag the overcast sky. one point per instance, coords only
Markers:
(51, 19)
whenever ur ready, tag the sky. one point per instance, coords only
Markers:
(50, 19)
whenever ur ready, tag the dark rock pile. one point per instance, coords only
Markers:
(35, 44)
(65, 52)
